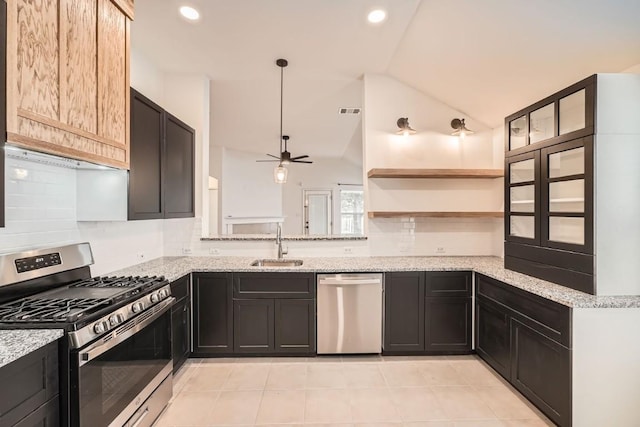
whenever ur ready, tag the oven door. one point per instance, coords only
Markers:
(116, 374)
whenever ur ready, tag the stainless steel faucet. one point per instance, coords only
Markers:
(281, 252)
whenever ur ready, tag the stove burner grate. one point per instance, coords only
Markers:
(49, 310)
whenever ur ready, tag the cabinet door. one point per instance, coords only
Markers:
(448, 324)
(48, 415)
(404, 301)
(567, 196)
(295, 325)
(181, 330)
(522, 198)
(541, 371)
(145, 175)
(178, 169)
(492, 336)
(253, 326)
(213, 313)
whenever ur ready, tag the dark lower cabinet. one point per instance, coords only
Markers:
(295, 326)
(540, 370)
(253, 326)
(212, 314)
(30, 389)
(448, 325)
(428, 312)
(181, 331)
(493, 336)
(524, 338)
(404, 304)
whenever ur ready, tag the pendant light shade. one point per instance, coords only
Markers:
(460, 128)
(280, 174)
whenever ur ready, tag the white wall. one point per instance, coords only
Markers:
(386, 100)
(605, 367)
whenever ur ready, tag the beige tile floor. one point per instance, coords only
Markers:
(346, 391)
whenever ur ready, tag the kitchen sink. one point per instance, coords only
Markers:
(277, 263)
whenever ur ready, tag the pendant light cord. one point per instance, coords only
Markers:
(281, 103)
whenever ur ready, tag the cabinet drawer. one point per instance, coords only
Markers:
(274, 285)
(547, 317)
(180, 288)
(33, 380)
(48, 415)
(448, 283)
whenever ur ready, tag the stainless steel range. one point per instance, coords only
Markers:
(115, 363)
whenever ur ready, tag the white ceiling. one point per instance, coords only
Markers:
(486, 58)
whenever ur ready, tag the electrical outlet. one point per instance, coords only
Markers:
(186, 251)
(347, 250)
(214, 251)
(440, 250)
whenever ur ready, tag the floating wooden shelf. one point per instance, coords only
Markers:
(423, 214)
(435, 173)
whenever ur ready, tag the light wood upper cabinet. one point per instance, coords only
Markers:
(68, 78)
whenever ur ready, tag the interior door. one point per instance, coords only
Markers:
(317, 212)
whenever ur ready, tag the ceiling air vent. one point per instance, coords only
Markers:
(349, 111)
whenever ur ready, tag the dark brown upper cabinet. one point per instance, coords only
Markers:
(571, 195)
(161, 178)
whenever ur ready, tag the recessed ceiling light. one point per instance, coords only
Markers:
(376, 16)
(190, 13)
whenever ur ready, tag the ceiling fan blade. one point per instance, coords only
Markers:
(299, 157)
(275, 157)
(301, 161)
(268, 160)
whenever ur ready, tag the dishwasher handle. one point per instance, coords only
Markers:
(348, 282)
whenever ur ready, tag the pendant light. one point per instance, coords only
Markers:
(280, 172)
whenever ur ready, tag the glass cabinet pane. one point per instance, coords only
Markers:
(572, 112)
(565, 163)
(522, 226)
(518, 133)
(542, 124)
(566, 196)
(566, 230)
(521, 171)
(522, 198)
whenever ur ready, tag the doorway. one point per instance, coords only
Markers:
(317, 212)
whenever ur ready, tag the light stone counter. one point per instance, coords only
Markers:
(175, 267)
(16, 343)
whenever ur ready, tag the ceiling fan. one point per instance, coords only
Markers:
(285, 156)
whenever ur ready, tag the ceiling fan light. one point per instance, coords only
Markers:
(280, 174)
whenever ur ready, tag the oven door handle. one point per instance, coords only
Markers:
(124, 331)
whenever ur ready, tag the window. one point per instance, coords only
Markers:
(352, 212)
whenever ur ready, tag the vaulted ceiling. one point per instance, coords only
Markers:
(486, 58)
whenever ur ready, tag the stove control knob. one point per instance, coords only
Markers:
(155, 297)
(116, 319)
(164, 293)
(137, 307)
(99, 328)
(120, 318)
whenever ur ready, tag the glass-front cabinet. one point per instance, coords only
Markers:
(549, 188)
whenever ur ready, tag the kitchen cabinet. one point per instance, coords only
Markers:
(428, 312)
(32, 399)
(404, 304)
(68, 78)
(212, 314)
(161, 177)
(181, 322)
(569, 219)
(274, 313)
(527, 340)
(3, 103)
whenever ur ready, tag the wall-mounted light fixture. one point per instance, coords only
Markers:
(404, 128)
(460, 128)
(280, 174)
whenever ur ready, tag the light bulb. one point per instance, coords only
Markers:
(405, 133)
(280, 174)
(462, 134)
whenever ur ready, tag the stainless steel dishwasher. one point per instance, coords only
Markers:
(349, 313)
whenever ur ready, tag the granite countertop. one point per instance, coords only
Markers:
(175, 267)
(301, 237)
(16, 343)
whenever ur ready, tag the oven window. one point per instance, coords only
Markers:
(111, 381)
